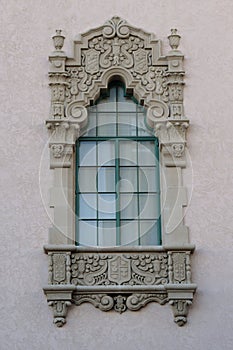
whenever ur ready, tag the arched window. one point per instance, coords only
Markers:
(105, 244)
(117, 175)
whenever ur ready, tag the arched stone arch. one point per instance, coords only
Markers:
(118, 50)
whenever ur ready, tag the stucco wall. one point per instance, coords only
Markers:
(26, 320)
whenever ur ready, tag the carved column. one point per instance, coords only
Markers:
(171, 131)
(64, 127)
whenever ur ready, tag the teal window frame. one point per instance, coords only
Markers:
(117, 167)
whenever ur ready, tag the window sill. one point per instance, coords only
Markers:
(119, 278)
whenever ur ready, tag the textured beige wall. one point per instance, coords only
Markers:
(26, 321)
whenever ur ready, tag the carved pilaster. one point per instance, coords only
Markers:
(57, 85)
(175, 86)
(179, 267)
(59, 268)
(175, 75)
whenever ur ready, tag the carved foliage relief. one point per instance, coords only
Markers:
(89, 269)
(127, 51)
(122, 269)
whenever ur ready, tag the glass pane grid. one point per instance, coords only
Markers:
(118, 189)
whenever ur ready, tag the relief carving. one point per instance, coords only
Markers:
(92, 61)
(120, 303)
(102, 301)
(59, 311)
(176, 93)
(179, 272)
(180, 310)
(59, 268)
(57, 150)
(98, 269)
(178, 149)
(119, 270)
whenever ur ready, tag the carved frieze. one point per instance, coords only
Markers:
(119, 269)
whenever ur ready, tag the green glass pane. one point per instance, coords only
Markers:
(149, 233)
(146, 153)
(128, 152)
(149, 206)
(129, 232)
(128, 206)
(87, 179)
(107, 233)
(106, 124)
(127, 124)
(126, 105)
(87, 206)
(87, 233)
(128, 179)
(87, 153)
(106, 179)
(147, 179)
(106, 153)
(106, 206)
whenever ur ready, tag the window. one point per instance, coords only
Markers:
(107, 245)
(117, 175)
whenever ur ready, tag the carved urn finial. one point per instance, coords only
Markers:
(174, 39)
(58, 40)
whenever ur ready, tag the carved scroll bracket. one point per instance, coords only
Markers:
(180, 298)
(59, 298)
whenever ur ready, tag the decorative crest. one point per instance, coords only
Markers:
(116, 27)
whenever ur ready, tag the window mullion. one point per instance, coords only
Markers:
(97, 191)
(138, 207)
(158, 186)
(77, 195)
(117, 188)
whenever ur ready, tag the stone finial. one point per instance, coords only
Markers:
(174, 39)
(58, 40)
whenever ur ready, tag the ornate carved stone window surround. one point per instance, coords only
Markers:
(128, 277)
